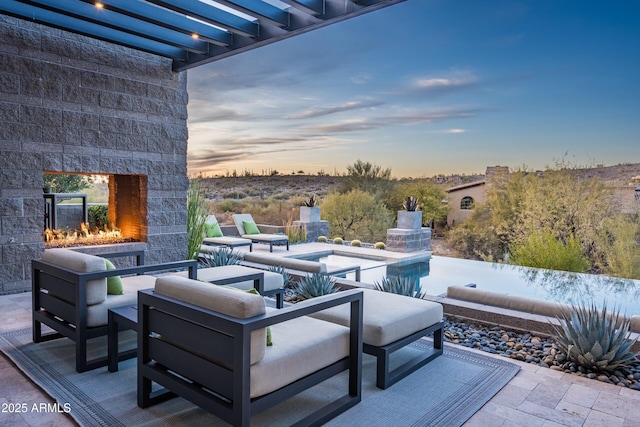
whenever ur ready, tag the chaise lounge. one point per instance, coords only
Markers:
(248, 229)
(207, 344)
(214, 237)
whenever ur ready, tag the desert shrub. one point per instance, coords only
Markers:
(322, 239)
(219, 257)
(475, 238)
(296, 233)
(228, 205)
(98, 216)
(338, 240)
(401, 285)
(429, 196)
(315, 285)
(197, 211)
(356, 243)
(544, 250)
(379, 245)
(618, 247)
(357, 214)
(235, 195)
(592, 338)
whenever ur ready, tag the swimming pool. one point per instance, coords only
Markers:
(437, 274)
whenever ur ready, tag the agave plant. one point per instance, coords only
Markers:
(286, 277)
(410, 204)
(406, 286)
(316, 285)
(595, 339)
(311, 201)
(222, 256)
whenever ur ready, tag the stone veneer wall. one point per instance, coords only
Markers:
(69, 103)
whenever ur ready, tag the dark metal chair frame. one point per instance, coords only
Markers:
(219, 383)
(66, 316)
(386, 378)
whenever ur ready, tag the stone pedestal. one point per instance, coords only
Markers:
(314, 229)
(405, 240)
(309, 213)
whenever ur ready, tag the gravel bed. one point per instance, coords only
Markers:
(530, 348)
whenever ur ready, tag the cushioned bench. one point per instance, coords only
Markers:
(391, 322)
(69, 293)
(208, 345)
(299, 265)
(267, 283)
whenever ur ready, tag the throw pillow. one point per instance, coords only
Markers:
(255, 292)
(114, 283)
(213, 230)
(250, 227)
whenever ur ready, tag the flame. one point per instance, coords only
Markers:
(84, 236)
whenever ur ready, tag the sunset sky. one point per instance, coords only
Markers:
(428, 87)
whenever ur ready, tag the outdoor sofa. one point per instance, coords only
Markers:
(69, 293)
(207, 344)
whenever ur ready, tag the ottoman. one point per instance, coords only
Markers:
(391, 322)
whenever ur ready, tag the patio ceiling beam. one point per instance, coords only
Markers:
(125, 23)
(190, 32)
(212, 15)
(160, 16)
(47, 17)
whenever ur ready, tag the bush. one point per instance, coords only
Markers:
(222, 256)
(338, 241)
(401, 285)
(356, 215)
(543, 250)
(357, 243)
(379, 245)
(197, 212)
(98, 216)
(316, 285)
(592, 339)
(322, 239)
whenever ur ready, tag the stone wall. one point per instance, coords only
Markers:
(69, 103)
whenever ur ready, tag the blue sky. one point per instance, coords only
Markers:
(429, 87)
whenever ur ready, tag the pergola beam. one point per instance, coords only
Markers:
(190, 32)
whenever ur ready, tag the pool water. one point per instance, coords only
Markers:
(437, 274)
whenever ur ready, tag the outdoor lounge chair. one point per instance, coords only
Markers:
(247, 228)
(69, 292)
(208, 345)
(216, 238)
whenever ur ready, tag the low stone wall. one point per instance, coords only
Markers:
(405, 240)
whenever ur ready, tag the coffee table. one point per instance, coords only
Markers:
(120, 318)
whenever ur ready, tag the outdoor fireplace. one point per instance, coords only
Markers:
(71, 225)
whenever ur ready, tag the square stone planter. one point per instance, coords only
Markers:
(410, 220)
(309, 214)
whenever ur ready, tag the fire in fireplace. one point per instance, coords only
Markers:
(122, 219)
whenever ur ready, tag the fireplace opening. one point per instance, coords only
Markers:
(84, 209)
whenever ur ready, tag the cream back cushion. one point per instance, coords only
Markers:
(83, 263)
(240, 305)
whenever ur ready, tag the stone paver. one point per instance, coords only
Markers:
(534, 397)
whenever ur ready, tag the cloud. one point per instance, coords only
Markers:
(457, 79)
(332, 109)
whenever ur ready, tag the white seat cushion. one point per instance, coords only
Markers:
(272, 281)
(296, 354)
(97, 314)
(387, 317)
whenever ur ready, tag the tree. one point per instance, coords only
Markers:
(365, 176)
(430, 200)
(356, 215)
(67, 183)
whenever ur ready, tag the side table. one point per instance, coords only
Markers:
(120, 318)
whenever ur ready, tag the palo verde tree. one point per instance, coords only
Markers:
(367, 177)
(67, 183)
(431, 199)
